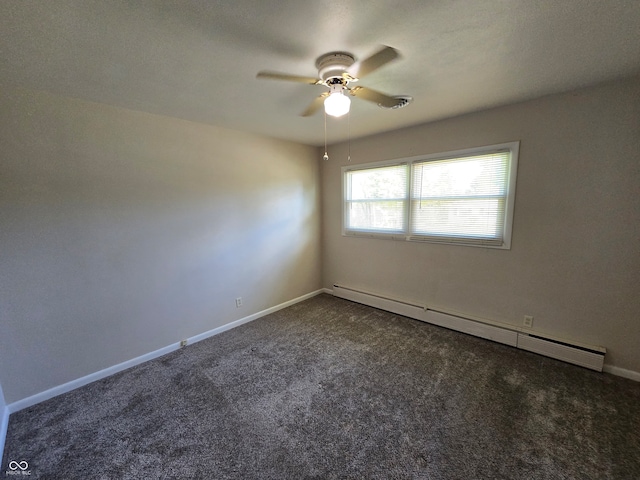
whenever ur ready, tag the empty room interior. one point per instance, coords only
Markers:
(307, 239)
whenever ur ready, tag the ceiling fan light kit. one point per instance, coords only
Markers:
(337, 103)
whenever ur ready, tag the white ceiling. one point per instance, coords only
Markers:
(197, 60)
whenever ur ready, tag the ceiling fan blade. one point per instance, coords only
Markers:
(374, 62)
(288, 77)
(374, 96)
(315, 105)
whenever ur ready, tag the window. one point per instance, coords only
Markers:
(463, 197)
(376, 199)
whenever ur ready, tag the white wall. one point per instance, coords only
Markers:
(123, 232)
(575, 258)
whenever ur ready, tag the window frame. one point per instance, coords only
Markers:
(407, 235)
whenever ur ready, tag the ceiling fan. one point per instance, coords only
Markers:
(337, 70)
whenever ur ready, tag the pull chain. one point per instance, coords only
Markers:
(349, 136)
(326, 156)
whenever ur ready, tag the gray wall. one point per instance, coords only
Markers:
(124, 232)
(575, 258)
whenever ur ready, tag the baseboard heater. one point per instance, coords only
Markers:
(587, 356)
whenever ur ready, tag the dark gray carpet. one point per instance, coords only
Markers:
(332, 389)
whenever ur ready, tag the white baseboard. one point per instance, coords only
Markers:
(250, 318)
(622, 372)
(327, 290)
(471, 327)
(80, 382)
(92, 377)
(565, 353)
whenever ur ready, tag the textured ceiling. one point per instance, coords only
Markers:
(197, 60)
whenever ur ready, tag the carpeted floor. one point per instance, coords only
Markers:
(332, 389)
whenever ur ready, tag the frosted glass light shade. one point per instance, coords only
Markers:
(337, 104)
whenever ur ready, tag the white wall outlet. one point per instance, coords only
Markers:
(238, 302)
(183, 343)
(528, 321)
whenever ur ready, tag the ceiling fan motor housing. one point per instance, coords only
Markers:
(333, 65)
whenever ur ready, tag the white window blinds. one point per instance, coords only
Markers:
(460, 199)
(464, 197)
(376, 199)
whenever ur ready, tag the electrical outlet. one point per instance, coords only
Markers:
(528, 321)
(238, 302)
(183, 343)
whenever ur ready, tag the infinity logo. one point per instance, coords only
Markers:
(23, 465)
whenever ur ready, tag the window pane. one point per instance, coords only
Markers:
(479, 218)
(483, 175)
(381, 183)
(381, 215)
(376, 199)
(460, 197)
